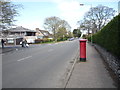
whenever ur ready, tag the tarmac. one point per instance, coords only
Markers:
(92, 73)
(9, 48)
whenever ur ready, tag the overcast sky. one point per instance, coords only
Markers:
(35, 11)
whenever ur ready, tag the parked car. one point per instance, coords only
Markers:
(71, 39)
(10, 40)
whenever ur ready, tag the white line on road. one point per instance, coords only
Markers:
(24, 58)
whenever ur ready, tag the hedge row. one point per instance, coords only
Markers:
(43, 40)
(109, 36)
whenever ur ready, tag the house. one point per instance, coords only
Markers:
(19, 33)
(43, 34)
(15, 35)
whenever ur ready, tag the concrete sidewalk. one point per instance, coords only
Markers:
(92, 73)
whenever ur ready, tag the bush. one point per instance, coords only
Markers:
(47, 40)
(43, 40)
(38, 41)
(59, 39)
(62, 39)
(109, 36)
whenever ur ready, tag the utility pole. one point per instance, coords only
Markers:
(81, 4)
(119, 7)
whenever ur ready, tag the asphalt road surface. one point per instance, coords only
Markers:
(39, 66)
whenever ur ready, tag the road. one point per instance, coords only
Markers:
(39, 66)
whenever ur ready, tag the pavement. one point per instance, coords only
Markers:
(90, 74)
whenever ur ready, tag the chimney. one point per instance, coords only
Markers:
(37, 29)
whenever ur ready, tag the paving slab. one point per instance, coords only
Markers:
(92, 73)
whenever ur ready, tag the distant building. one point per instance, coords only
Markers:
(43, 34)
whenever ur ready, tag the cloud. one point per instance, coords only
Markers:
(71, 11)
(56, 1)
(68, 6)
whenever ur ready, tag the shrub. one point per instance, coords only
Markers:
(109, 36)
(47, 40)
(38, 41)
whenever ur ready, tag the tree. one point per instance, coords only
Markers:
(8, 11)
(97, 17)
(55, 24)
(85, 26)
(76, 33)
(52, 24)
(61, 33)
(69, 34)
(65, 25)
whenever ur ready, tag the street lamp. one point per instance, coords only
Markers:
(81, 4)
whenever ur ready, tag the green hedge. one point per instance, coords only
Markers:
(45, 40)
(109, 36)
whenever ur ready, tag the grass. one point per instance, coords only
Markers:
(49, 42)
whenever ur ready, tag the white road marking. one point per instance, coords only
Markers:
(24, 58)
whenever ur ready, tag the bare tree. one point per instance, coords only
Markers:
(65, 25)
(97, 17)
(85, 25)
(54, 24)
(8, 11)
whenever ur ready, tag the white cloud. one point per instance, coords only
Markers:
(71, 11)
(68, 6)
(63, 0)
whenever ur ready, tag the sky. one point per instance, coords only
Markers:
(34, 12)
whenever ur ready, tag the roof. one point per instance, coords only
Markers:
(21, 29)
(44, 32)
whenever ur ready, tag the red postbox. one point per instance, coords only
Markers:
(83, 49)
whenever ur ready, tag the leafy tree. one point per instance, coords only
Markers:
(76, 33)
(8, 11)
(69, 34)
(61, 33)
